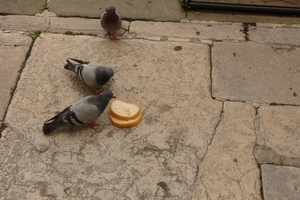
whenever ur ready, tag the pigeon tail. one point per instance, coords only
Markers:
(79, 61)
(70, 66)
(48, 128)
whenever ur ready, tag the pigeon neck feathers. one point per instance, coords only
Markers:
(103, 99)
(103, 75)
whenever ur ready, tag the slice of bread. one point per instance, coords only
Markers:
(125, 111)
(125, 123)
(124, 114)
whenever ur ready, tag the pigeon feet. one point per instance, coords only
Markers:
(111, 35)
(98, 91)
(93, 125)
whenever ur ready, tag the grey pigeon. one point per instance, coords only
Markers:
(93, 74)
(82, 112)
(111, 22)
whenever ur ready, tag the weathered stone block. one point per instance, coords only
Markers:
(255, 73)
(280, 182)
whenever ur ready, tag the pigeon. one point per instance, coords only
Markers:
(111, 22)
(93, 74)
(82, 112)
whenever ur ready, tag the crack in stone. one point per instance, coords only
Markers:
(283, 47)
(210, 73)
(209, 143)
(215, 128)
(266, 155)
(2, 128)
(246, 29)
(256, 123)
(282, 104)
(249, 102)
(13, 89)
(261, 183)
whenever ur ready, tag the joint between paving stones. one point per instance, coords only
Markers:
(263, 154)
(261, 182)
(256, 123)
(210, 72)
(246, 29)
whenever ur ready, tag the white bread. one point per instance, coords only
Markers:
(122, 110)
(124, 114)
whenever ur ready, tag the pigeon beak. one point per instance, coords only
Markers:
(114, 97)
(113, 80)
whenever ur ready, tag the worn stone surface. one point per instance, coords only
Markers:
(279, 129)
(81, 26)
(288, 36)
(56, 24)
(13, 49)
(24, 7)
(280, 182)
(168, 10)
(204, 30)
(255, 72)
(111, 163)
(229, 170)
(23, 23)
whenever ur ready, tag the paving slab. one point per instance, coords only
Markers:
(280, 182)
(75, 26)
(279, 130)
(255, 73)
(179, 118)
(168, 10)
(81, 26)
(56, 24)
(266, 155)
(13, 50)
(229, 169)
(24, 7)
(23, 23)
(240, 17)
(271, 35)
(200, 30)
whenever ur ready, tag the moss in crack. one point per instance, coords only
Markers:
(184, 4)
(37, 33)
(44, 7)
(246, 29)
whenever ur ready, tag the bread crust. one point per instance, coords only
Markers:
(124, 114)
(126, 123)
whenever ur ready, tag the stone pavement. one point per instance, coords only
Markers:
(220, 104)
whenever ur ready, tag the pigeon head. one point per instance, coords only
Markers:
(109, 72)
(102, 99)
(110, 9)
